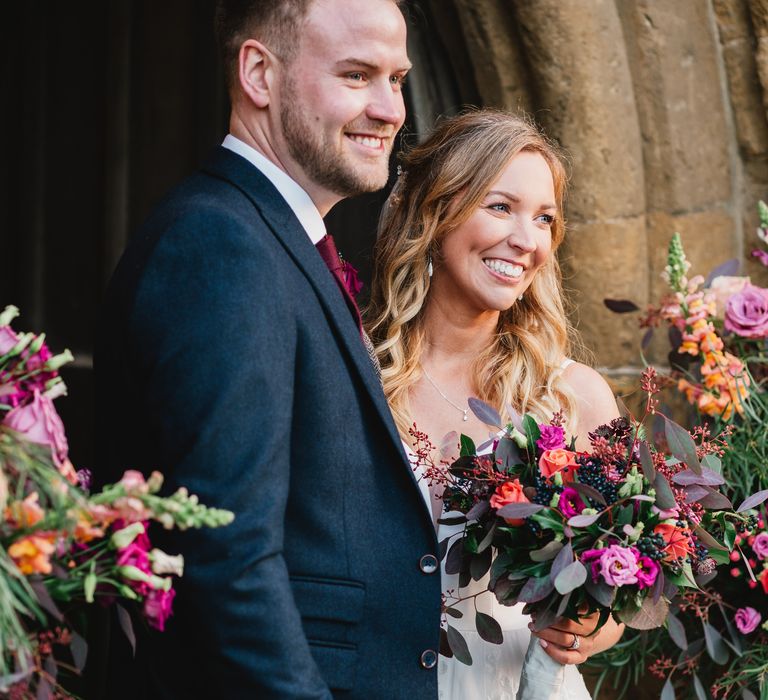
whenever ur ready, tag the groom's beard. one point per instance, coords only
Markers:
(322, 154)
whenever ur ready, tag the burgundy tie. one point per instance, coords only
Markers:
(327, 249)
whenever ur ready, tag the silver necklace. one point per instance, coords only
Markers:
(437, 388)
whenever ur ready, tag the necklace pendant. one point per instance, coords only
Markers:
(466, 418)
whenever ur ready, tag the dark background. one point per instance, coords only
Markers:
(105, 106)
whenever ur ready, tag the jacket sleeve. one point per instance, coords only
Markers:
(215, 344)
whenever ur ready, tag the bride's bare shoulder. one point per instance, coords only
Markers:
(596, 403)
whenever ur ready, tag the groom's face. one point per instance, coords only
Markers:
(341, 100)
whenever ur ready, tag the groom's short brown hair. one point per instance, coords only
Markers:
(276, 23)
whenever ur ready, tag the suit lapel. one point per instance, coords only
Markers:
(294, 239)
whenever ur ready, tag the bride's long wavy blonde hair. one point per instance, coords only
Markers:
(444, 180)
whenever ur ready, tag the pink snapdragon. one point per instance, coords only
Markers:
(158, 607)
(552, 438)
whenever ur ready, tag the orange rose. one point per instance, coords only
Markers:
(677, 539)
(509, 492)
(560, 460)
(32, 554)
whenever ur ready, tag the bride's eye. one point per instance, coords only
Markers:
(499, 206)
(547, 219)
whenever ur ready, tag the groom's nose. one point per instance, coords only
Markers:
(386, 105)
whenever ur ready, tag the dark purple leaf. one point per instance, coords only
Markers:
(453, 612)
(665, 499)
(646, 461)
(589, 492)
(701, 694)
(747, 694)
(681, 444)
(571, 577)
(536, 589)
(563, 559)
(485, 413)
(707, 477)
(488, 629)
(668, 691)
(518, 510)
(584, 520)
(695, 493)
(79, 650)
(126, 624)
(453, 520)
(675, 336)
(621, 306)
(44, 690)
(647, 337)
(515, 418)
(547, 552)
(715, 500)
(508, 453)
(44, 598)
(677, 632)
(442, 548)
(716, 648)
(563, 605)
(445, 648)
(707, 540)
(658, 587)
(455, 557)
(485, 543)
(727, 269)
(458, 646)
(480, 563)
(754, 500)
(600, 591)
(478, 510)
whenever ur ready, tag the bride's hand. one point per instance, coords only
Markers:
(558, 640)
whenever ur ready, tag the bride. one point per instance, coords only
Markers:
(466, 301)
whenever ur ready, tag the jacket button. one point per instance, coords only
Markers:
(428, 659)
(428, 564)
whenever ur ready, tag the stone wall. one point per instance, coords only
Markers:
(662, 109)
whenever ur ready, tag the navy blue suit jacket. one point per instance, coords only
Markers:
(228, 360)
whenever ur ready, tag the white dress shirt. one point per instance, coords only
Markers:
(296, 198)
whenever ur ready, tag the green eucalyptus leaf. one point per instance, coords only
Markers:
(488, 628)
(458, 645)
(571, 577)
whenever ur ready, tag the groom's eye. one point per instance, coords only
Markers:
(357, 76)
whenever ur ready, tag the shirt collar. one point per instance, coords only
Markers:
(296, 198)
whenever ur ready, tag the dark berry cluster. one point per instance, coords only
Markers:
(545, 489)
(652, 546)
(592, 473)
(618, 429)
(750, 525)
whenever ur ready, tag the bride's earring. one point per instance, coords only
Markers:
(520, 298)
(429, 265)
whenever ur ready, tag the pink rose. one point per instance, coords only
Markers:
(723, 288)
(618, 565)
(563, 461)
(746, 313)
(760, 545)
(157, 607)
(552, 438)
(38, 422)
(8, 339)
(747, 620)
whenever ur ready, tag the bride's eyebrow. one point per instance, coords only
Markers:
(514, 198)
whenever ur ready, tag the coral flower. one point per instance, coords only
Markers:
(553, 461)
(678, 541)
(509, 492)
(25, 513)
(32, 554)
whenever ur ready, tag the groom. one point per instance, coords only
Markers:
(231, 360)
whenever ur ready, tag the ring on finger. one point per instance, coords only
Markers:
(575, 644)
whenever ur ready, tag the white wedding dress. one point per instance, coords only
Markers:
(496, 668)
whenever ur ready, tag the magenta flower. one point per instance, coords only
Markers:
(647, 572)
(761, 255)
(552, 438)
(570, 502)
(38, 422)
(157, 607)
(746, 313)
(747, 620)
(618, 565)
(591, 559)
(760, 545)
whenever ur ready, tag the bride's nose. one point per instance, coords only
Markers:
(522, 237)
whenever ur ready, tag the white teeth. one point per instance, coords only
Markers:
(369, 141)
(504, 268)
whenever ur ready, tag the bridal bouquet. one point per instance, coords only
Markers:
(62, 547)
(717, 327)
(620, 530)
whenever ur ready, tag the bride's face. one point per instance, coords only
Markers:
(490, 260)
